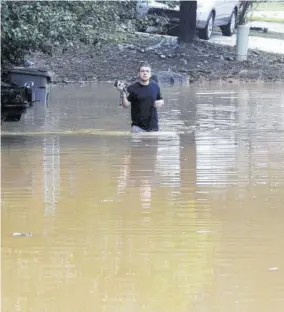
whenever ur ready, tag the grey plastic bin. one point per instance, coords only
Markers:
(41, 79)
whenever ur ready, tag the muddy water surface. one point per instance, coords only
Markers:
(187, 220)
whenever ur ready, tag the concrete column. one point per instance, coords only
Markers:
(242, 42)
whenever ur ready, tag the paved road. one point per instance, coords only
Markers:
(260, 43)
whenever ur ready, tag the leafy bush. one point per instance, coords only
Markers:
(28, 26)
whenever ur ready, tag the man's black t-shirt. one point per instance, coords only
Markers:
(143, 112)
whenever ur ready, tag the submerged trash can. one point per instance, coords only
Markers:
(41, 79)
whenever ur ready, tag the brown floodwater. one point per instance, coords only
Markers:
(190, 219)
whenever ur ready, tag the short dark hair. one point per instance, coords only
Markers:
(144, 64)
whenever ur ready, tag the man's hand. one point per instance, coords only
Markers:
(159, 103)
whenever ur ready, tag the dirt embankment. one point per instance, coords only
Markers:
(201, 61)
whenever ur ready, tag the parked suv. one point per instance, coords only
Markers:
(209, 14)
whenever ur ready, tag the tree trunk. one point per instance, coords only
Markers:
(187, 23)
(244, 7)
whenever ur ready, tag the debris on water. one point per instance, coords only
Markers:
(273, 269)
(23, 234)
(203, 232)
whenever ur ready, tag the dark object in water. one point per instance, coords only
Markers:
(170, 78)
(14, 101)
(154, 78)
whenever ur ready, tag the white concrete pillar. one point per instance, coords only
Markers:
(242, 42)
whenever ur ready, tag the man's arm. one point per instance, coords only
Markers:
(124, 91)
(127, 97)
(124, 101)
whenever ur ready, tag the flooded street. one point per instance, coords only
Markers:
(190, 219)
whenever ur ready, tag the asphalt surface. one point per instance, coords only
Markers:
(260, 43)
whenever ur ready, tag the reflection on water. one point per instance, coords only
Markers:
(184, 221)
(51, 172)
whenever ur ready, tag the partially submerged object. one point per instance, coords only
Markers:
(20, 88)
(14, 101)
(40, 77)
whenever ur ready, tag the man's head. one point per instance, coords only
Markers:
(144, 72)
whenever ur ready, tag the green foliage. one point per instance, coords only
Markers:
(245, 7)
(40, 25)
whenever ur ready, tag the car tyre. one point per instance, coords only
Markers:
(207, 31)
(228, 30)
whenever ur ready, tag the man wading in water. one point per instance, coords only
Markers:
(145, 97)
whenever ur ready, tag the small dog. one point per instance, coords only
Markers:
(122, 85)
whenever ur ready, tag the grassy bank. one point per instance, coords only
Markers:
(270, 6)
(265, 12)
(266, 19)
